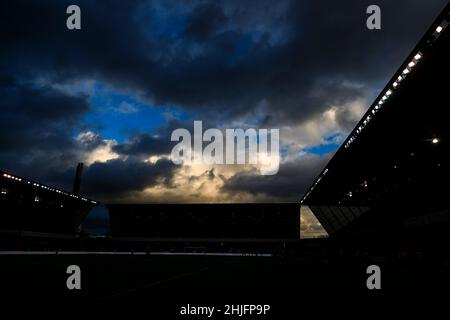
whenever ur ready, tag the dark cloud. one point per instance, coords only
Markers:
(241, 62)
(205, 20)
(117, 177)
(145, 145)
(292, 180)
(36, 127)
(37, 117)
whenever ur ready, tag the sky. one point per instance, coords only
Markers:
(110, 94)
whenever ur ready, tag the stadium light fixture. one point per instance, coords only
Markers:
(417, 56)
(411, 64)
(439, 29)
(406, 71)
(435, 140)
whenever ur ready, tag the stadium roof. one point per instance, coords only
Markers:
(44, 187)
(398, 149)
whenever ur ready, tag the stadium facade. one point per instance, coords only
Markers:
(30, 206)
(388, 183)
(233, 220)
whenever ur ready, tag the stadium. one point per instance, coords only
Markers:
(382, 199)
